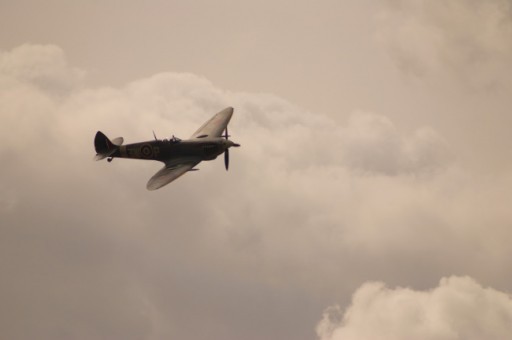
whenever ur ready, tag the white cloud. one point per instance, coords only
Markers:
(459, 308)
(42, 65)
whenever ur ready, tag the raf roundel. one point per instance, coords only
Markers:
(146, 151)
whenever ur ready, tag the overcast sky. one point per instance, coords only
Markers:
(370, 198)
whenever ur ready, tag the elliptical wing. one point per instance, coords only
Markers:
(169, 173)
(215, 125)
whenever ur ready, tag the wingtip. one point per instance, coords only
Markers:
(150, 186)
(228, 110)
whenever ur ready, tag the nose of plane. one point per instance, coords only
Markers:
(231, 143)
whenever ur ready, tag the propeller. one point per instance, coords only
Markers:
(226, 159)
(226, 152)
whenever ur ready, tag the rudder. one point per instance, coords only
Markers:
(102, 144)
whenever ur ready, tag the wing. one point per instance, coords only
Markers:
(169, 173)
(216, 124)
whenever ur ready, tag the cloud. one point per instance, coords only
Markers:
(459, 308)
(42, 65)
(471, 39)
(306, 201)
(372, 144)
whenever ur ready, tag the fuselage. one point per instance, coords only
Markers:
(167, 150)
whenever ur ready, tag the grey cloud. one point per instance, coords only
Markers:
(472, 39)
(216, 254)
(459, 308)
(372, 144)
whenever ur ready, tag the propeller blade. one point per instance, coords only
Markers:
(226, 133)
(226, 159)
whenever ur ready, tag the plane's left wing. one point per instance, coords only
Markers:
(169, 173)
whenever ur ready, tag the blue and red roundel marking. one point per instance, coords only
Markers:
(146, 151)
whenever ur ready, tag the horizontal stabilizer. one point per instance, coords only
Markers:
(101, 156)
(118, 141)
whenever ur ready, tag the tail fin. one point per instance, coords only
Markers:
(104, 146)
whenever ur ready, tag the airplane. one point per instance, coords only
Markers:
(179, 156)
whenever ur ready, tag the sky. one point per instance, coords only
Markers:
(369, 199)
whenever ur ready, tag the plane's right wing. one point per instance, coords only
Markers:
(169, 173)
(216, 124)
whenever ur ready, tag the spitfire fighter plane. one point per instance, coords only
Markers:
(179, 156)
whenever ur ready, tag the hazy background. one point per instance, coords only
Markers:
(369, 200)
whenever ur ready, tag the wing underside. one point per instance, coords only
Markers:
(216, 124)
(169, 173)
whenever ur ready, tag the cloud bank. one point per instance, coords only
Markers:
(87, 252)
(459, 308)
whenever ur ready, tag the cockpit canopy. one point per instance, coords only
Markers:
(173, 140)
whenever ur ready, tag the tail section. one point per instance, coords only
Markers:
(104, 146)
